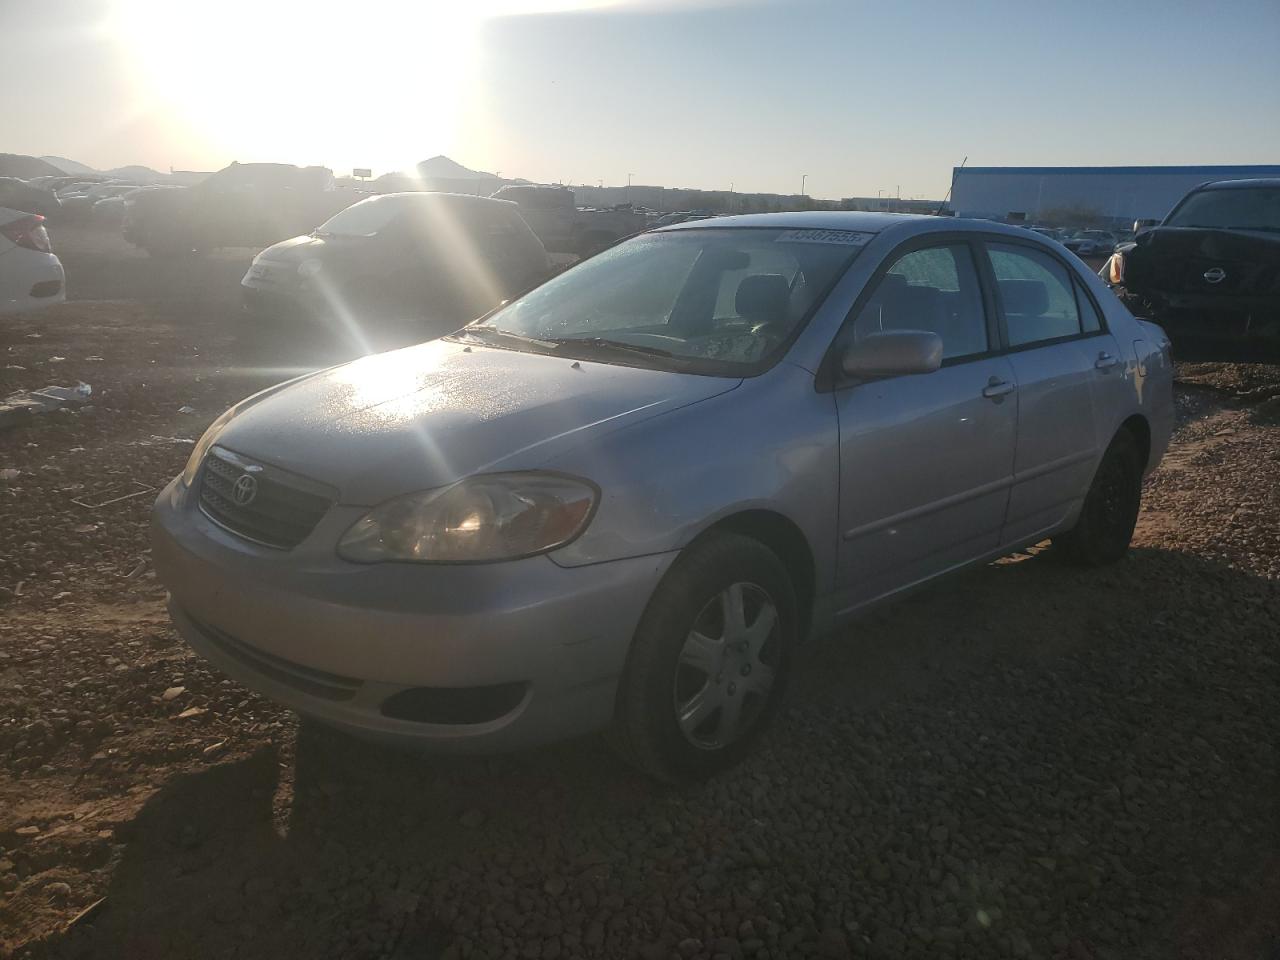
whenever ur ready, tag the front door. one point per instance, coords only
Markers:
(925, 460)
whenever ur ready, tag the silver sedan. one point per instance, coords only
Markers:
(624, 499)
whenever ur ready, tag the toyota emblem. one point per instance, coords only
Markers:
(244, 489)
(1215, 275)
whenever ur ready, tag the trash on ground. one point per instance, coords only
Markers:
(120, 493)
(24, 403)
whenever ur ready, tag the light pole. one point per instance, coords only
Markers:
(803, 178)
(629, 176)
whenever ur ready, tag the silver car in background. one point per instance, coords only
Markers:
(622, 500)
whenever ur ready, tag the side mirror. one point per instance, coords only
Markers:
(893, 353)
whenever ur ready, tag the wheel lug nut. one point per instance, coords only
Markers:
(733, 688)
(746, 669)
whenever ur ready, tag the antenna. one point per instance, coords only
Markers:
(938, 212)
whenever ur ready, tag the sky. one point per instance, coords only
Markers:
(855, 97)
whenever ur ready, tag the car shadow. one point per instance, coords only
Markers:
(1027, 682)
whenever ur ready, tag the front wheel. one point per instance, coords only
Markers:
(1110, 512)
(709, 662)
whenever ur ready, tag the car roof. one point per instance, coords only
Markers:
(1240, 184)
(854, 220)
(432, 196)
(859, 220)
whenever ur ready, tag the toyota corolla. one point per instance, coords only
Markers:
(622, 500)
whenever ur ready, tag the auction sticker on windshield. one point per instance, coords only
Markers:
(853, 238)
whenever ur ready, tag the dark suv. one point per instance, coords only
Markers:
(1212, 266)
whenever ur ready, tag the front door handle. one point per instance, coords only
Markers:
(1106, 361)
(997, 388)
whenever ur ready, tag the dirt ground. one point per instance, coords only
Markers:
(1029, 760)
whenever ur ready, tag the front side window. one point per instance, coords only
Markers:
(934, 289)
(715, 301)
(1037, 294)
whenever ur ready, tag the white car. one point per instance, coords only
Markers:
(30, 275)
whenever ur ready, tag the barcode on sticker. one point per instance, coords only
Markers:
(855, 238)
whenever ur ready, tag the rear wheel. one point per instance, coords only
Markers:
(1110, 512)
(709, 662)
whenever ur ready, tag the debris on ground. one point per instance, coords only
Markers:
(22, 404)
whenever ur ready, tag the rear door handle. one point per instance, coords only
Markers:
(997, 388)
(1106, 361)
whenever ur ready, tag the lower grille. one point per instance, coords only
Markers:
(260, 503)
(317, 683)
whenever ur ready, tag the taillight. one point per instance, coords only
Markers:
(28, 232)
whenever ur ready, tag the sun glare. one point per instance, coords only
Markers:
(377, 84)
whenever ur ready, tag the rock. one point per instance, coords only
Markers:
(472, 818)
(58, 889)
(689, 947)
(172, 693)
(28, 831)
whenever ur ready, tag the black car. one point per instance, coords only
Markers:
(1212, 265)
(441, 259)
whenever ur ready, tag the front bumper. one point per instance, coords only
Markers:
(34, 280)
(299, 625)
(276, 302)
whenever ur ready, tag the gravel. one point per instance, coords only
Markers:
(1029, 760)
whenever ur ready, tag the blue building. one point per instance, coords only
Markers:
(1118, 195)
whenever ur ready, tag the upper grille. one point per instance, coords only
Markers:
(283, 510)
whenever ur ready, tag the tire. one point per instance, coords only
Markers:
(680, 661)
(1105, 526)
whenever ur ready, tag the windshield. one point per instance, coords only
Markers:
(714, 301)
(1249, 208)
(363, 219)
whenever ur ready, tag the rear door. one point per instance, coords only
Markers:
(925, 460)
(1065, 365)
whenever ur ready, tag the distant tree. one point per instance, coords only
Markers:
(1073, 215)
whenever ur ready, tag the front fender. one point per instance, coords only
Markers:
(772, 444)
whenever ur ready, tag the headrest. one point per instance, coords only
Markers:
(1026, 297)
(763, 297)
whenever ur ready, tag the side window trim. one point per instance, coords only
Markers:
(829, 377)
(987, 272)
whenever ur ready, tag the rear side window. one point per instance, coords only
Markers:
(934, 289)
(1090, 319)
(1038, 295)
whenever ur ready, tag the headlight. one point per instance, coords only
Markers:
(202, 447)
(500, 516)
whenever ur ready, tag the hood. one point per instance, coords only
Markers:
(429, 415)
(1176, 258)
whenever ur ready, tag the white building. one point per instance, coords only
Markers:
(1117, 194)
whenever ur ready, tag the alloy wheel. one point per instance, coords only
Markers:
(727, 667)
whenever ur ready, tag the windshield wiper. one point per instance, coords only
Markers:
(617, 346)
(487, 333)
